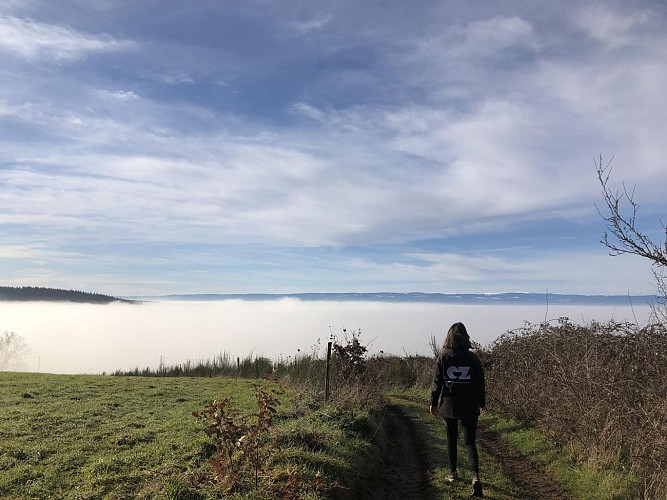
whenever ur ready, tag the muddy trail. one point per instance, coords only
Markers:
(404, 469)
(524, 473)
(404, 472)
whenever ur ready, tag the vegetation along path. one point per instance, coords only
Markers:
(415, 463)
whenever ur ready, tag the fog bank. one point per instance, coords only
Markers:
(84, 338)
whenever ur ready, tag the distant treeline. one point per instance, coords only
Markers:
(33, 293)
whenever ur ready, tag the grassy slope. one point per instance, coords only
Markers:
(119, 437)
(133, 437)
(94, 435)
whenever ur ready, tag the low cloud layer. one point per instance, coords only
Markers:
(81, 338)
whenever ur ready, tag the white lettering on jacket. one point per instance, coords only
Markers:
(458, 373)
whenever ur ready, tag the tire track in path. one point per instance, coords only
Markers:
(404, 469)
(525, 473)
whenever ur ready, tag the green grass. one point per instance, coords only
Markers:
(91, 437)
(99, 436)
(583, 479)
(134, 437)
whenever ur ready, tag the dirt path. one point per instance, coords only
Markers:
(522, 471)
(404, 472)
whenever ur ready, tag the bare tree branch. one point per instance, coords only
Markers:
(622, 235)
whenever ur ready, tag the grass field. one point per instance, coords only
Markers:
(90, 437)
(135, 437)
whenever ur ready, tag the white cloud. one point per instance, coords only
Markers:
(615, 98)
(459, 52)
(614, 28)
(463, 166)
(315, 24)
(37, 41)
(489, 36)
(23, 252)
(120, 95)
(7, 109)
(515, 270)
(310, 111)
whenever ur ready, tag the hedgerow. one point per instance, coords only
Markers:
(601, 387)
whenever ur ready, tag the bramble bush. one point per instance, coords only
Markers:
(243, 443)
(602, 386)
(255, 458)
(352, 363)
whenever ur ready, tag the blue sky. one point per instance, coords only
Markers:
(198, 147)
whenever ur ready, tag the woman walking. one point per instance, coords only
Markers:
(458, 394)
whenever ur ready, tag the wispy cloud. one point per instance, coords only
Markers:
(485, 38)
(615, 28)
(120, 95)
(34, 253)
(310, 25)
(37, 41)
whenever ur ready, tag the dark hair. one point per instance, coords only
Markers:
(457, 337)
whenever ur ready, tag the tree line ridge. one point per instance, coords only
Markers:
(33, 293)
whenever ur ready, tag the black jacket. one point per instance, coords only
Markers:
(458, 384)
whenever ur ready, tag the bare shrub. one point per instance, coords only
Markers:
(602, 386)
(12, 350)
(243, 443)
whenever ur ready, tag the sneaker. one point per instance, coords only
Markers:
(453, 476)
(477, 488)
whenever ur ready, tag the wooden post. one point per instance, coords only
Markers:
(326, 380)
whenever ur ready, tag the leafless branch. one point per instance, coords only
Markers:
(622, 234)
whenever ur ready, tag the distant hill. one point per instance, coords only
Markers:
(507, 298)
(32, 293)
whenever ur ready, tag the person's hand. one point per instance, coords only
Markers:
(433, 411)
(482, 409)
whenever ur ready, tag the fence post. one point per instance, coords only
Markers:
(326, 380)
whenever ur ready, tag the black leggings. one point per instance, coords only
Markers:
(469, 436)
